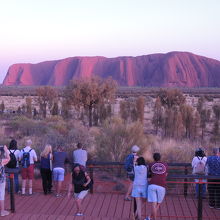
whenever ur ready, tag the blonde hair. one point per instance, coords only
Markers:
(46, 151)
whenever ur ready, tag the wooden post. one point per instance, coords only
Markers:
(199, 209)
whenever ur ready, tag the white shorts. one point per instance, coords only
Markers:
(81, 195)
(156, 193)
(58, 174)
(2, 191)
(139, 191)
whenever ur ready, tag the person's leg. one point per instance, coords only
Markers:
(23, 186)
(79, 205)
(154, 210)
(16, 181)
(129, 189)
(30, 177)
(211, 191)
(139, 206)
(3, 212)
(44, 180)
(59, 187)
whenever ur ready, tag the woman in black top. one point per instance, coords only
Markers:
(81, 182)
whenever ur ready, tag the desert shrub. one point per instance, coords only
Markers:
(115, 138)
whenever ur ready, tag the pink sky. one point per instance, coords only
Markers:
(35, 31)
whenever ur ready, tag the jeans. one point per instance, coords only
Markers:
(46, 175)
(16, 182)
(214, 193)
(203, 190)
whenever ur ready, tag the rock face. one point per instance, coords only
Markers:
(174, 69)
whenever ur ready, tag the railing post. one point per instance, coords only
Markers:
(12, 197)
(199, 211)
(185, 182)
(91, 176)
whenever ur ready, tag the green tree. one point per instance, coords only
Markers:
(28, 107)
(157, 120)
(140, 103)
(47, 95)
(2, 107)
(91, 92)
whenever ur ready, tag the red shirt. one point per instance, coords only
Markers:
(158, 171)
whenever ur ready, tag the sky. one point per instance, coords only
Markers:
(32, 31)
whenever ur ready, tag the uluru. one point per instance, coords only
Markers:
(173, 69)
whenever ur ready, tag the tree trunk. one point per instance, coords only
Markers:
(90, 115)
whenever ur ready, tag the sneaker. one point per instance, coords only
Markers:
(217, 208)
(128, 199)
(79, 214)
(147, 218)
(211, 207)
(4, 213)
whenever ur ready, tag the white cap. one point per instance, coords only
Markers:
(135, 149)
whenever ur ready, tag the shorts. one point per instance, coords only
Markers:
(58, 174)
(2, 191)
(156, 193)
(28, 173)
(139, 191)
(81, 195)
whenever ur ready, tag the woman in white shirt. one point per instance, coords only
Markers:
(199, 157)
(139, 190)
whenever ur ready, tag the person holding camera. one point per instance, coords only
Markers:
(4, 159)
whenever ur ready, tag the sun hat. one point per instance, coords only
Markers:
(135, 149)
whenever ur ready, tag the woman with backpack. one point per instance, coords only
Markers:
(46, 168)
(129, 167)
(199, 166)
(13, 163)
(82, 183)
(139, 191)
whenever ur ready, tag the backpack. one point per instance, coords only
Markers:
(199, 168)
(25, 163)
(129, 166)
(13, 161)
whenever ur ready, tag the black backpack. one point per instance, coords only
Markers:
(25, 162)
(13, 161)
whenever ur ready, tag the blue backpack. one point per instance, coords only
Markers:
(129, 160)
(25, 163)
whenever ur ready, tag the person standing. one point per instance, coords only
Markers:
(156, 190)
(139, 190)
(27, 157)
(59, 159)
(4, 159)
(46, 169)
(198, 165)
(81, 182)
(13, 163)
(129, 167)
(213, 165)
(80, 156)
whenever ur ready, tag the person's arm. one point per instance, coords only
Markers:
(70, 187)
(7, 156)
(88, 180)
(34, 156)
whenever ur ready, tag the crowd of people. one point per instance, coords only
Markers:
(147, 182)
(52, 170)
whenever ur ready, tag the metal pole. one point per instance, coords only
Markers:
(12, 197)
(135, 208)
(185, 180)
(200, 201)
(91, 176)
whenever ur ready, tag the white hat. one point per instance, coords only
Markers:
(135, 149)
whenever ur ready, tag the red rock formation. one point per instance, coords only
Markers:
(174, 69)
